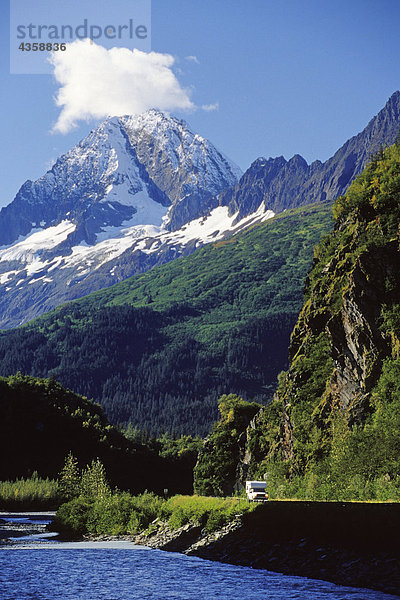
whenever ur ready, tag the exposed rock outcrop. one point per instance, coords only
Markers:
(346, 335)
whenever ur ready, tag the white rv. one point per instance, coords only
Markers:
(256, 491)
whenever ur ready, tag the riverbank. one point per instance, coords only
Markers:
(30, 494)
(15, 525)
(354, 544)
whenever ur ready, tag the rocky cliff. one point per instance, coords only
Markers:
(332, 430)
(337, 407)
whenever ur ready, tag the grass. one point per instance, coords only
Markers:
(209, 512)
(32, 493)
(123, 514)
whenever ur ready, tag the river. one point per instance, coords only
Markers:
(36, 565)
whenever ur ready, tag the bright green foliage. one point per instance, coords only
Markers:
(373, 196)
(215, 472)
(121, 513)
(33, 493)
(182, 447)
(313, 367)
(307, 445)
(94, 484)
(96, 510)
(159, 349)
(69, 479)
(71, 518)
(210, 513)
(91, 483)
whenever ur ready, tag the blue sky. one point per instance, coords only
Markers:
(288, 77)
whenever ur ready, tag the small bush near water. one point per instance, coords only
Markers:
(121, 513)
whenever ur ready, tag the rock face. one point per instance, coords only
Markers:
(282, 184)
(149, 165)
(344, 349)
(358, 345)
(187, 167)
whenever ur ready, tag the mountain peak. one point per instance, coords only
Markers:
(281, 184)
(268, 162)
(394, 99)
(392, 107)
(155, 120)
(128, 169)
(143, 189)
(298, 161)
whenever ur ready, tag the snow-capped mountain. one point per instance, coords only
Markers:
(138, 191)
(143, 190)
(140, 169)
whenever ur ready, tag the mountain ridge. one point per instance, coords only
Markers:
(332, 430)
(102, 203)
(155, 192)
(282, 184)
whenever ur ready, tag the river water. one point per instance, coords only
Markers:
(35, 565)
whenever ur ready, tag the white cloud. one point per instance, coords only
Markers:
(193, 59)
(210, 107)
(96, 83)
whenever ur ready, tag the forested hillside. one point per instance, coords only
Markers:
(41, 422)
(159, 349)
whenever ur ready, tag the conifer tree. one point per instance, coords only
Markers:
(94, 482)
(69, 481)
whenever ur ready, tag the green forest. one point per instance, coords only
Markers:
(158, 350)
(41, 423)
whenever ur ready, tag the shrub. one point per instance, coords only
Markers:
(30, 493)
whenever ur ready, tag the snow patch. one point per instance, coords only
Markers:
(114, 241)
(149, 238)
(5, 277)
(42, 239)
(147, 212)
(43, 279)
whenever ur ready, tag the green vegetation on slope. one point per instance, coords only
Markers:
(216, 471)
(159, 349)
(332, 432)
